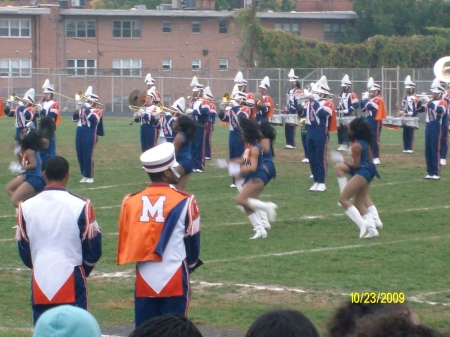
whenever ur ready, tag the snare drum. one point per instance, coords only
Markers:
(347, 120)
(398, 121)
(291, 119)
(412, 122)
(388, 121)
(276, 120)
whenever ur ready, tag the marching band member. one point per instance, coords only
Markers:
(185, 129)
(195, 106)
(169, 119)
(411, 105)
(49, 108)
(241, 86)
(265, 106)
(435, 110)
(25, 115)
(375, 113)
(89, 127)
(256, 176)
(363, 171)
(348, 103)
(148, 115)
(318, 113)
(209, 128)
(445, 128)
(151, 83)
(293, 96)
(236, 145)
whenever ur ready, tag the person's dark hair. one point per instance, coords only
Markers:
(156, 177)
(286, 323)
(56, 168)
(172, 325)
(297, 84)
(250, 130)
(268, 131)
(31, 140)
(360, 130)
(47, 127)
(344, 321)
(187, 126)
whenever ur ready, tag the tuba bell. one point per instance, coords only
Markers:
(442, 69)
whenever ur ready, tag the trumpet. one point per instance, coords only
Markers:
(227, 98)
(16, 98)
(79, 96)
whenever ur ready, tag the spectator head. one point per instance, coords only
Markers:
(172, 325)
(286, 323)
(56, 170)
(67, 321)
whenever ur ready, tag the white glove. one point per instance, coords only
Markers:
(17, 148)
(234, 169)
(365, 95)
(336, 157)
(234, 103)
(189, 111)
(220, 163)
(425, 98)
(87, 105)
(343, 111)
(30, 125)
(20, 103)
(15, 167)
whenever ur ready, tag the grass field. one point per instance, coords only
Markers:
(311, 261)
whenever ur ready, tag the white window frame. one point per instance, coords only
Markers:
(196, 64)
(330, 33)
(81, 70)
(78, 27)
(7, 24)
(10, 68)
(166, 64)
(223, 62)
(132, 29)
(168, 26)
(121, 65)
(194, 23)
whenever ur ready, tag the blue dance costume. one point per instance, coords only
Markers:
(184, 156)
(366, 167)
(260, 172)
(34, 176)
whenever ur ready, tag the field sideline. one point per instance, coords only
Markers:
(311, 261)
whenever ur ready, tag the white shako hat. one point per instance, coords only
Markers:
(345, 82)
(408, 83)
(29, 95)
(149, 80)
(370, 83)
(152, 92)
(88, 91)
(160, 158)
(292, 76)
(48, 89)
(375, 86)
(436, 86)
(180, 105)
(322, 86)
(265, 83)
(239, 79)
(207, 93)
(196, 86)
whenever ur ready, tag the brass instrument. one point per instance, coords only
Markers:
(442, 69)
(64, 96)
(206, 99)
(134, 108)
(161, 107)
(135, 99)
(79, 96)
(227, 98)
(303, 125)
(16, 98)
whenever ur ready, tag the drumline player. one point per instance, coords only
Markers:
(293, 96)
(348, 103)
(411, 105)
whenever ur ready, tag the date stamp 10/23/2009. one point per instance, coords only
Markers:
(379, 298)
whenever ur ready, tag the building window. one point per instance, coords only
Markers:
(223, 64)
(80, 28)
(14, 28)
(333, 31)
(196, 27)
(127, 67)
(167, 64)
(15, 68)
(167, 26)
(126, 28)
(81, 67)
(223, 27)
(288, 27)
(196, 64)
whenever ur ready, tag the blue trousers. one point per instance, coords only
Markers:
(408, 138)
(146, 308)
(444, 140)
(149, 137)
(81, 299)
(316, 140)
(199, 155)
(208, 142)
(342, 134)
(289, 131)
(432, 148)
(376, 131)
(85, 141)
(305, 148)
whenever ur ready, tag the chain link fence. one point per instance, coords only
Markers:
(115, 85)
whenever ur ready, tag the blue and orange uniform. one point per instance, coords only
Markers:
(149, 127)
(445, 129)
(265, 110)
(61, 248)
(166, 123)
(50, 109)
(22, 116)
(411, 106)
(293, 101)
(435, 110)
(159, 229)
(210, 130)
(348, 103)
(202, 116)
(375, 113)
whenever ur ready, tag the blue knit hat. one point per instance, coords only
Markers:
(67, 321)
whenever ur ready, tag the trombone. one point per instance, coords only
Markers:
(16, 98)
(79, 96)
(161, 107)
(134, 108)
(64, 96)
(208, 99)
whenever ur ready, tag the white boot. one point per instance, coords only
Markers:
(373, 210)
(263, 217)
(342, 181)
(353, 213)
(314, 187)
(239, 184)
(371, 230)
(259, 229)
(269, 207)
(241, 208)
(321, 188)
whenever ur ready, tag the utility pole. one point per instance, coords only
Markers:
(252, 37)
